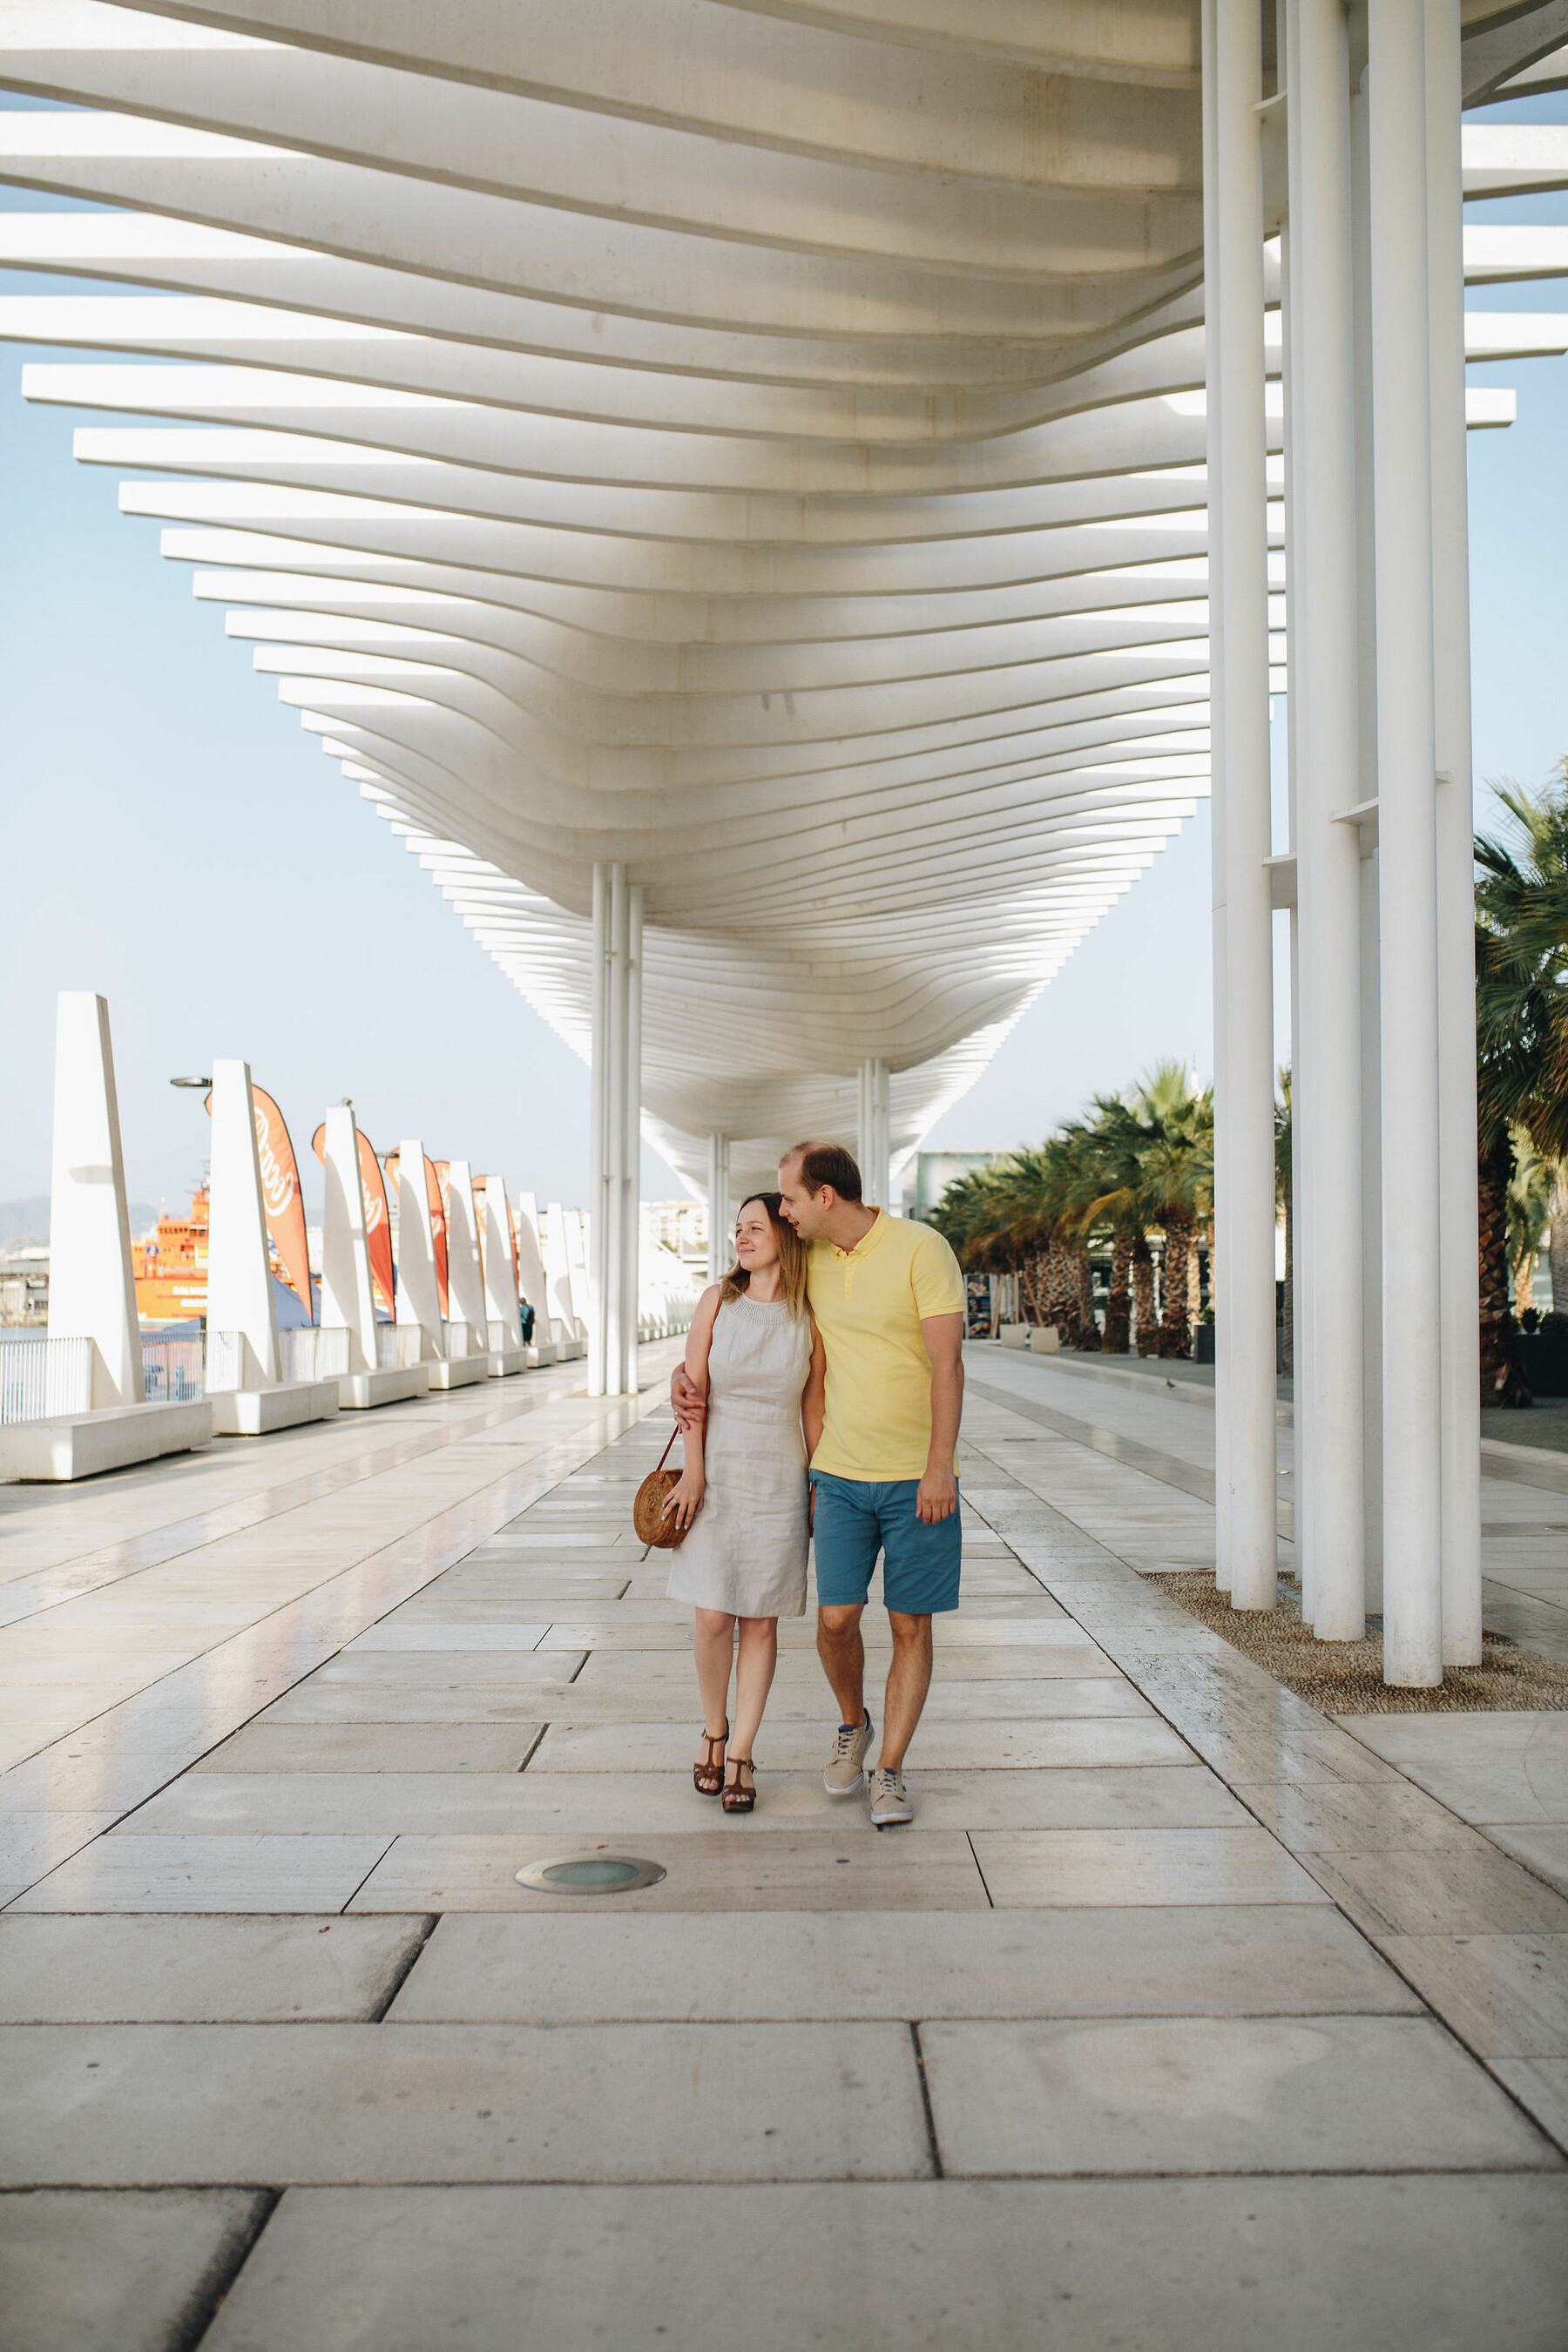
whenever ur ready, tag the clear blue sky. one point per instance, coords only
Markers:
(175, 840)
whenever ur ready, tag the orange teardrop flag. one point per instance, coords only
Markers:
(377, 1221)
(280, 1194)
(435, 1194)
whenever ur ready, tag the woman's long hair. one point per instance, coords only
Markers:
(792, 1258)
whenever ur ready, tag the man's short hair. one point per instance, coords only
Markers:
(828, 1163)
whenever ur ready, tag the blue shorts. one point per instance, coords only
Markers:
(855, 1520)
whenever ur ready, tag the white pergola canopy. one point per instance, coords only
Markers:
(766, 454)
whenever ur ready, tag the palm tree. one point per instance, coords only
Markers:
(997, 1221)
(1130, 1163)
(1175, 1164)
(1529, 1215)
(1110, 1165)
(1521, 1041)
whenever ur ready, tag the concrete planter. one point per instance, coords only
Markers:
(76, 1445)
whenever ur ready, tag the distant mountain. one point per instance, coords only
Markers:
(29, 1221)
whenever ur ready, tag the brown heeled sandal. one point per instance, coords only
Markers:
(708, 1773)
(737, 1797)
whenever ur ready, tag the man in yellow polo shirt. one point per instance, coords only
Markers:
(888, 1297)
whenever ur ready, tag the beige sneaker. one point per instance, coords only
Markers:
(845, 1773)
(890, 1800)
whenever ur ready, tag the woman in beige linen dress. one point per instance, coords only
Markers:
(752, 1350)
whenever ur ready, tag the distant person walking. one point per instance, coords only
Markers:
(753, 1360)
(887, 1298)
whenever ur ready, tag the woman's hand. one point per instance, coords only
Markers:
(684, 1501)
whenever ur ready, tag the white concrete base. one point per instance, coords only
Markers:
(1014, 1335)
(388, 1384)
(255, 1412)
(78, 1446)
(504, 1362)
(543, 1351)
(567, 1352)
(459, 1372)
(1045, 1339)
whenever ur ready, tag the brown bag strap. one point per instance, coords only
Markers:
(664, 1457)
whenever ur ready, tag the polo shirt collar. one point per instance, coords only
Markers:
(868, 1240)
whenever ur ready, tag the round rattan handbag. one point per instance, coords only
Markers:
(653, 1529)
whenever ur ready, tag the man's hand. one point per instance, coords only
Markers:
(690, 1406)
(936, 1499)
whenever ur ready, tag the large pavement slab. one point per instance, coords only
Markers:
(288, 2049)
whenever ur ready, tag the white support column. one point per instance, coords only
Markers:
(599, 1140)
(1370, 866)
(1239, 601)
(1322, 618)
(1460, 1342)
(92, 1294)
(1298, 1049)
(1407, 837)
(239, 1272)
(616, 1133)
(607, 1205)
(465, 1281)
(718, 1207)
(348, 1299)
(418, 1295)
(1221, 1256)
(873, 1141)
(631, 1139)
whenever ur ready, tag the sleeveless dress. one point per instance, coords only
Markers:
(746, 1552)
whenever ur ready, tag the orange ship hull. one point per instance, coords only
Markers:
(170, 1267)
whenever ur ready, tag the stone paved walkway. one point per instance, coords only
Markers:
(1180, 2017)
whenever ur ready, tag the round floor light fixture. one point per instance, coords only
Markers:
(599, 1873)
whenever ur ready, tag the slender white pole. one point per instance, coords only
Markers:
(1234, 64)
(1461, 1371)
(631, 1172)
(1326, 1088)
(612, 1199)
(1222, 1256)
(865, 1133)
(1365, 790)
(598, 1183)
(1407, 833)
(718, 1207)
(1298, 1051)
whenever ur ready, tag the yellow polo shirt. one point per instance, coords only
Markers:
(870, 1303)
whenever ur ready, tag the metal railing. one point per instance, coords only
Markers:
(40, 1377)
(174, 1372)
